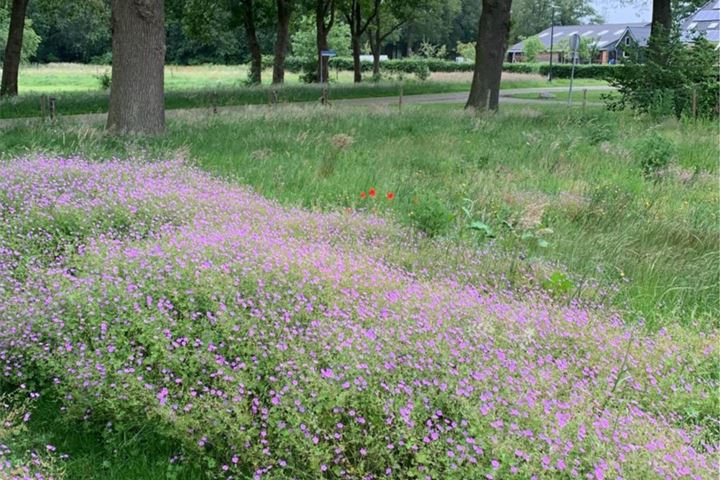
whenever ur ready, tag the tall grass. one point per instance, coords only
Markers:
(544, 185)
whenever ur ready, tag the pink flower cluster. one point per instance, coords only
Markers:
(286, 344)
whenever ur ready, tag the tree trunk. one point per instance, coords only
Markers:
(282, 40)
(661, 23)
(252, 40)
(13, 49)
(137, 100)
(322, 9)
(493, 31)
(375, 42)
(357, 66)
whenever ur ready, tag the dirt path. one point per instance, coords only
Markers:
(506, 96)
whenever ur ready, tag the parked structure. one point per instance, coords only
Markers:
(611, 41)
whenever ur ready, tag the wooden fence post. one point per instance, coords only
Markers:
(400, 100)
(53, 109)
(584, 102)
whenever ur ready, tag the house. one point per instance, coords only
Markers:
(705, 22)
(611, 40)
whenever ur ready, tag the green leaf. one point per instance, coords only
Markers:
(482, 227)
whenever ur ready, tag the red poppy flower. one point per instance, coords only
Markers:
(390, 195)
(372, 192)
(362, 195)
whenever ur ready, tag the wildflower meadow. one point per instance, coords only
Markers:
(275, 342)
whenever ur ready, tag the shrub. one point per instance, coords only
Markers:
(432, 216)
(600, 72)
(675, 80)
(532, 47)
(654, 154)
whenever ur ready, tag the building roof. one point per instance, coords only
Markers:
(704, 22)
(605, 35)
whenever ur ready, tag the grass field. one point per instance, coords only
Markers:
(581, 247)
(77, 88)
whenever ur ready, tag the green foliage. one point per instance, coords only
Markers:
(71, 31)
(532, 47)
(467, 51)
(600, 72)
(105, 80)
(654, 153)
(558, 284)
(31, 40)
(671, 79)
(431, 216)
(304, 46)
(429, 50)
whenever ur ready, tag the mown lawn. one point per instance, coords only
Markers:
(559, 187)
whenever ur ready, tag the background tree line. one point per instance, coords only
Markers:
(214, 31)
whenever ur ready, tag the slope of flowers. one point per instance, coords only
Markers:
(281, 343)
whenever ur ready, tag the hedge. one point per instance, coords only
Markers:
(601, 72)
(421, 65)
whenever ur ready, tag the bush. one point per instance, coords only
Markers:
(654, 154)
(600, 72)
(673, 80)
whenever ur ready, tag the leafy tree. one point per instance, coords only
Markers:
(71, 31)
(304, 43)
(436, 23)
(31, 39)
(532, 47)
(13, 48)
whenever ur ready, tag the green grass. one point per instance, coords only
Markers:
(77, 88)
(526, 172)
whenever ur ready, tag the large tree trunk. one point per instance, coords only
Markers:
(323, 8)
(137, 97)
(493, 31)
(282, 40)
(13, 49)
(253, 44)
(661, 23)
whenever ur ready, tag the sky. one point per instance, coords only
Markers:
(623, 11)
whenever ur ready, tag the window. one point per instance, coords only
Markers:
(692, 25)
(589, 32)
(627, 40)
(618, 32)
(600, 34)
(625, 54)
(712, 25)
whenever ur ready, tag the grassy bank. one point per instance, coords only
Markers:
(581, 196)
